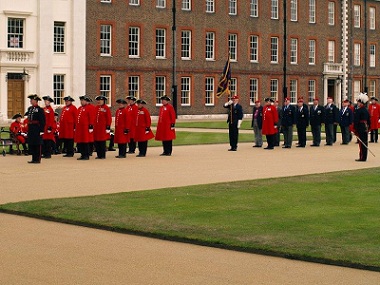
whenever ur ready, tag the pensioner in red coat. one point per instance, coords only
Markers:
(85, 122)
(67, 122)
(121, 124)
(166, 120)
(374, 112)
(143, 123)
(50, 125)
(132, 115)
(103, 122)
(270, 119)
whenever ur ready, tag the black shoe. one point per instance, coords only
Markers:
(300, 145)
(130, 152)
(329, 144)
(286, 146)
(100, 157)
(314, 145)
(121, 156)
(257, 146)
(232, 149)
(83, 158)
(140, 155)
(33, 161)
(165, 154)
(360, 160)
(68, 155)
(268, 147)
(343, 143)
(111, 149)
(46, 156)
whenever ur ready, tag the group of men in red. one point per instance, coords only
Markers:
(89, 126)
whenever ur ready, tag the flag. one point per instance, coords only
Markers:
(224, 81)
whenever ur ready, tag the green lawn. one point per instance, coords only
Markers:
(331, 218)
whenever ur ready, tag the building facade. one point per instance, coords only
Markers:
(42, 50)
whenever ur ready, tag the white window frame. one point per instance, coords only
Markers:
(331, 13)
(210, 6)
(372, 88)
(274, 89)
(312, 12)
(186, 5)
(312, 50)
(134, 2)
(357, 54)
(161, 4)
(134, 86)
(274, 9)
(105, 86)
(372, 18)
(209, 91)
(233, 87)
(293, 51)
(293, 10)
(160, 43)
(185, 44)
(58, 88)
(357, 18)
(232, 7)
(59, 37)
(233, 46)
(357, 89)
(254, 8)
(254, 48)
(311, 90)
(274, 49)
(15, 33)
(106, 1)
(372, 55)
(331, 51)
(160, 82)
(253, 90)
(293, 90)
(185, 91)
(134, 42)
(106, 40)
(210, 46)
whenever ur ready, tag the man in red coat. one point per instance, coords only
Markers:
(132, 115)
(143, 131)
(122, 128)
(270, 120)
(166, 126)
(50, 126)
(67, 126)
(102, 126)
(19, 131)
(84, 128)
(374, 112)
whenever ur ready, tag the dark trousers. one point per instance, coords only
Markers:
(68, 145)
(335, 130)
(122, 149)
(346, 138)
(288, 135)
(100, 147)
(90, 148)
(35, 151)
(84, 150)
(277, 138)
(329, 128)
(233, 132)
(271, 140)
(316, 132)
(374, 135)
(363, 151)
(47, 147)
(301, 132)
(143, 146)
(168, 147)
(131, 146)
(112, 141)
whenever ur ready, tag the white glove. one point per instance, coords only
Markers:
(379, 121)
(108, 131)
(90, 130)
(228, 103)
(239, 124)
(49, 131)
(41, 133)
(23, 134)
(147, 132)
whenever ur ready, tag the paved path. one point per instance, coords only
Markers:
(40, 252)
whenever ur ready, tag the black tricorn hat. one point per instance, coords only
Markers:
(68, 98)
(47, 98)
(133, 98)
(16, 116)
(165, 98)
(101, 97)
(85, 98)
(140, 101)
(121, 101)
(374, 98)
(269, 100)
(34, 97)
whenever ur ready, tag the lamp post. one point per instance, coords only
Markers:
(284, 68)
(174, 65)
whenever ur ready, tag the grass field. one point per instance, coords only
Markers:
(331, 218)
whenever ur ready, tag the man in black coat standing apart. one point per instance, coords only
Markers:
(257, 123)
(36, 125)
(287, 121)
(317, 116)
(235, 118)
(302, 122)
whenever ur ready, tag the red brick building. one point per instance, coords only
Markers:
(307, 51)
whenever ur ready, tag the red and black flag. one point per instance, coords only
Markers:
(224, 81)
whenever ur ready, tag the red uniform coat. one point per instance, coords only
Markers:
(374, 112)
(67, 122)
(270, 119)
(17, 128)
(103, 120)
(91, 108)
(143, 122)
(50, 124)
(166, 120)
(132, 116)
(85, 122)
(121, 124)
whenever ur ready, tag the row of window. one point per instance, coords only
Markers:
(274, 10)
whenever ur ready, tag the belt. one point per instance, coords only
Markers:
(33, 122)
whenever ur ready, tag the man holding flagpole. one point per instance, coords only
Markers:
(235, 118)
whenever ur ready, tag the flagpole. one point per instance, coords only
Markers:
(174, 48)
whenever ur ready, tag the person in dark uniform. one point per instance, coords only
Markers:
(316, 116)
(362, 123)
(279, 112)
(287, 122)
(235, 118)
(36, 125)
(331, 119)
(346, 117)
(257, 123)
(302, 122)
